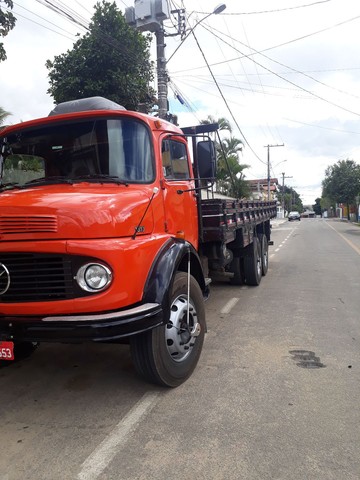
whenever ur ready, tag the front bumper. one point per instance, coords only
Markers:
(103, 327)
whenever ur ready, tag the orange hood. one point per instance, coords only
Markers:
(76, 211)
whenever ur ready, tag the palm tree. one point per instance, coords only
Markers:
(223, 123)
(3, 115)
(229, 176)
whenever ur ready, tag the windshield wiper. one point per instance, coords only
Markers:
(48, 181)
(9, 186)
(99, 177)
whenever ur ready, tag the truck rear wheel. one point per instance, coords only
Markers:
(167, 355)
(253, 263)
(264, 253)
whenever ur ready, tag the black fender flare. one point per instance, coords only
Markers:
(172, 257)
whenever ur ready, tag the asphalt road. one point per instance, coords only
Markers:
(275, 395)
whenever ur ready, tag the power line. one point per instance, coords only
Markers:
(42, 18)
(242, 88)
(82, 6)
(72, 16)
(273, 11)
(284, 43)
(224, 99)
(286, 66)
(323, 127)
(284, 79)
(41, 25)
(66, 12)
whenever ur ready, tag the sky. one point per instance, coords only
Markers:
(285, 73)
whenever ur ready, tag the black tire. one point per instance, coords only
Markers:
(264, 253)
(167, 355)
(252, 263)
(235, 268)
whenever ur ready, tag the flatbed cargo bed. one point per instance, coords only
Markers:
(221, 218)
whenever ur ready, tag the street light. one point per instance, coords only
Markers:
(282, 161)
(220, 8)
(283, 193)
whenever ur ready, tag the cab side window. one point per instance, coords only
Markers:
(175, 160)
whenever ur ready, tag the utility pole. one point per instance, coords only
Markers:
(268, 166)
(162, 77)
(283, 194)
(148, 16)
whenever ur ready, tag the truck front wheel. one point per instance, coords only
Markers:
(167, 355)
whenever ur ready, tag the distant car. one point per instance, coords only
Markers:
(294, 216)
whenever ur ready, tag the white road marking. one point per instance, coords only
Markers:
(230, 304)
(101, 457)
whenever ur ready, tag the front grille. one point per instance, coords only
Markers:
(36, 277)
(16, 224)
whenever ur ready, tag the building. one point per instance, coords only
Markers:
(259, 188)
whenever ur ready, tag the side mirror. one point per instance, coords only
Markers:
(206, 160)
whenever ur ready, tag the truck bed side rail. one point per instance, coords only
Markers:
(221, 218)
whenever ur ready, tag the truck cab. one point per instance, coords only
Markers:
(97, 243)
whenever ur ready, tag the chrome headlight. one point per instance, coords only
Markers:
(94, 277)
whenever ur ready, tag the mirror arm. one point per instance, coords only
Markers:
(180, 192)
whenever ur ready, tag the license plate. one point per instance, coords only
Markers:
(6, 350)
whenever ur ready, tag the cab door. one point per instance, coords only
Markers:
(180, 208)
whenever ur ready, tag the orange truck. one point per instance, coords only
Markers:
(109, 233)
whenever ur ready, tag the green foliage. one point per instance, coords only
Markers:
(292, 200)
(327, 204)
(342, 181)
(224, 124)
(111, 60)
(7, 23)
(25, 163)
(229, 177)
(3, 115)
(317, 206)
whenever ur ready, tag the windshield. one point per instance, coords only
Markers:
(91, 149)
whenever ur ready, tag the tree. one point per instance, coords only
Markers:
(111, 60)
(229, 177)
(342, 182)
(327, 204)
(3, 115)
(223, 123)
(7, 23)
(317, 206)
(292, 200)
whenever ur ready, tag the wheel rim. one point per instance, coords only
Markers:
(258, 265)
(265, 258)
(258, 262)
(180, 336)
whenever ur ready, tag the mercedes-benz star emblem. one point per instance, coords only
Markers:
(4, 279)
